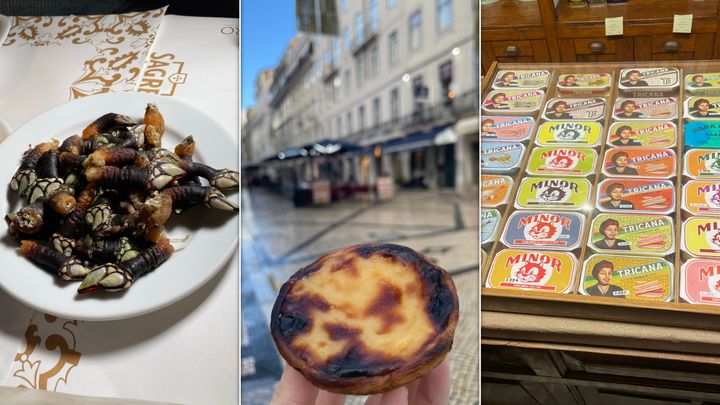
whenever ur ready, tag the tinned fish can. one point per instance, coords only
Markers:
(702, 134)
(542, 271)
(559, 193)
(649, 82)
(664, 108)
(621, 276)
(639, 234)
(521, 79)
(544, 230)
(556, 160)
(584, 84)
(630, 162)
(652, 134)
(700, 237)
(569, 133)
(702, 108)
(508, 129)
(500, 157)
(700, 281)
(703, 84)
(575, 109)
(513, 102)
(642, 196)
(494, 190)
(701, 197)
(702, 164)
(489, 225)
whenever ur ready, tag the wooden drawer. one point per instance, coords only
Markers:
(502, 48)
(530, 51)
(674, 43)
(596, 49)
(595, 46)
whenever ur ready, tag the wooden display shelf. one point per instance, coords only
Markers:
(509, 13)
(642, 11)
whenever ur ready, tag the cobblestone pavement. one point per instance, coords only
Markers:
(278, 239)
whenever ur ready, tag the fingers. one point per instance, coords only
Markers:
(434, 388)
(294, 389)
(329, 398)
(398, 396)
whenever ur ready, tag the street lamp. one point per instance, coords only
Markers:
(456, 51)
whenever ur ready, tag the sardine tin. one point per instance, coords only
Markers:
(701, 197)
(700, 281)
(701, 236)
(569, 133)
(489, 224)
(700, 108)
(639, 234)
(574, 109)
(521, 79)
(664, 108)
(651, 82)
(544, 230)
(657, 134)
(702, 164)
(500, 157)
(584, 83)
(702, 134)
(638, 277)
(632, 162)
(544, 271)
(703, 83)
(557, 160)
(513, 102)
(557, 193)
(509, 129)
(642, 196)
(494, 190)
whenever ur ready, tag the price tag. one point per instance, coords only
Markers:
(613, 26)
(682, 24)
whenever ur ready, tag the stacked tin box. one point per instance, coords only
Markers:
(509, 115)
(700, 239)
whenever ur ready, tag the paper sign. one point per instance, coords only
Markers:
(613, 26)
(682, 24)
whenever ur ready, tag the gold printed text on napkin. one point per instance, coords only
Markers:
(49, 356)
(119, 45)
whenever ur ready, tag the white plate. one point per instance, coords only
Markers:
(213, 234)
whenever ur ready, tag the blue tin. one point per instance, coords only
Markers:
(544, 230)
(702, 134)
(500, 157)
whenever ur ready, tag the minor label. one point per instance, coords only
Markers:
(562, 161)
(532, 270)
(546, 230)
(563, 193)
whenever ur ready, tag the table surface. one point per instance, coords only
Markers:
(187, 352)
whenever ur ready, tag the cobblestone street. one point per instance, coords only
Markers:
(277, 239)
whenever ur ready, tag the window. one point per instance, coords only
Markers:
(346, 38)
(343, 5)
(373, 16)
(391, 3)
(349, 122)
(376, 112)
(446, 77)
(361, 118)
(359, 70)
(339, 125)
(335, 53)
(393, 49)
(395, 104)
(443, 15)
(374, 61)
(346, 83)
(415, 34)
(359, 32)
(328, 60)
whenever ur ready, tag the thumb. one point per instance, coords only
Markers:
(293, 389)
(398, 396)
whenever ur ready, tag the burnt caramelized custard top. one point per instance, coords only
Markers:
(364, 311)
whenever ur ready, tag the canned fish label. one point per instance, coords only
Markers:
(563, 161)
(513, 101)
(702, 107)
(645, 108)
(494, 190)
(641, 234)
(489, 221)
(702, 164)
(700, 281)
(562, 109)
(564, 193)
(658, 134)
(702, 197)
(532, 270)
(501, 156)
(524, 79)
(544, 230)
(566, 133)
(702, 134)
(639, 162)
(516, 129)
(701, 236)
(649, 278)
(703, 83)
(660, 77)
(636, 195)
(584, 83)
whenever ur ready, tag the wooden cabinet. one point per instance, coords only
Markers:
(576, 33)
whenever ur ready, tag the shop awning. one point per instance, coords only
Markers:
(446, 137)
(417, 140)
(328, 147)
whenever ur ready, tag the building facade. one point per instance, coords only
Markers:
(395, 82)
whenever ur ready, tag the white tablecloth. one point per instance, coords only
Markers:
(185, 353)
